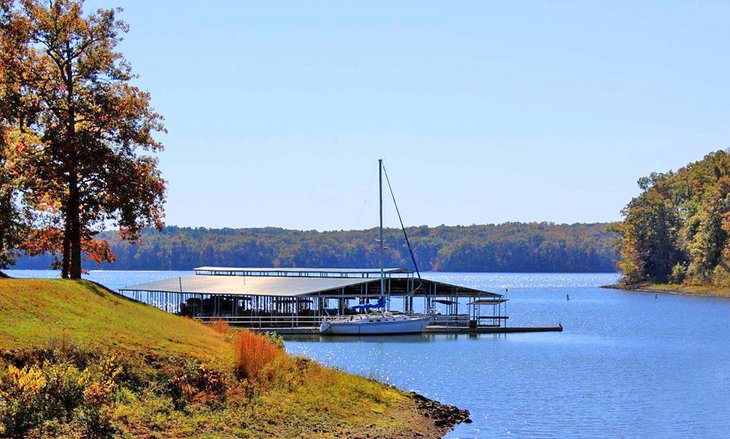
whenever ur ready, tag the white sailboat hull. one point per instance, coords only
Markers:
(375, 326)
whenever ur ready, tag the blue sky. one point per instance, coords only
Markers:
(485, 112)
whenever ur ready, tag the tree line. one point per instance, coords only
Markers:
(677, 229)
(509, 247)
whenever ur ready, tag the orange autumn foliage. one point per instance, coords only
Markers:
(221, 326)
(49, 239)
(255, 355)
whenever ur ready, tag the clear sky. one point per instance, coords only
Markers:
(485, 112)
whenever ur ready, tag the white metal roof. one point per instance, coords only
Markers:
(300, 272)
(247, 286)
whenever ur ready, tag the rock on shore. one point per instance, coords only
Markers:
(444, 416)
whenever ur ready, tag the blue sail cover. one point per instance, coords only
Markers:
(379, 304)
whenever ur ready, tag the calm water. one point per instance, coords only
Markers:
(627, 364)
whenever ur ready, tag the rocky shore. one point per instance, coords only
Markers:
(443, 416)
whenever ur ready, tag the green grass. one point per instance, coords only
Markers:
(67, 328)
(34, 311)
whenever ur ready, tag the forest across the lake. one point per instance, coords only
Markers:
(508, 247)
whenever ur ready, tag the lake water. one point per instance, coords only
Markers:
(626, 365)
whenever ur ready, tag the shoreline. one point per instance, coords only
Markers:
(441, 418)
(379, 410)
(681, 290)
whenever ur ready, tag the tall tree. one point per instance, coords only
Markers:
(88, 168)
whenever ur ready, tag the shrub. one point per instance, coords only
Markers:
(44, 396)
(22, 398)
(196, 382)
(253, 354)
(64, 390)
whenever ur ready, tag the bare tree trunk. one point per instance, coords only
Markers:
(66, 261)
(73, 215)
(6, 225)
(74, 236)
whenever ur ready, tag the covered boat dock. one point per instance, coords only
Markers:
(295, 300)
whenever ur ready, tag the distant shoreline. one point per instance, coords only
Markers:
(509, 247)
(683, 290)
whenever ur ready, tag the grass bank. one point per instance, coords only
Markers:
(79, 360)
(688, 290)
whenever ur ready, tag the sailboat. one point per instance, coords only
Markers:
(381, 322)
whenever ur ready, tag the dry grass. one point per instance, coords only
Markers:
(254, 355)
(222, 327)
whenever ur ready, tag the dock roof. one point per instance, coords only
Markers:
(299, 272)
(296, 286)
(246, 286)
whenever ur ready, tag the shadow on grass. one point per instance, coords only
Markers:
(101, 290)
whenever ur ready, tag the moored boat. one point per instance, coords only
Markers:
(382, 322)
(375, 324)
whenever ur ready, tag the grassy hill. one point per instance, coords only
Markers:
(77, 359)
(34, 311)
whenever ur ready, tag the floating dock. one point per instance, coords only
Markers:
(432, 330)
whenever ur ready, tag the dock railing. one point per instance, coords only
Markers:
(450, 320)
(265, 321)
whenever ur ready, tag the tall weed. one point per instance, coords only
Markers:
(256, 356)
(221, 326)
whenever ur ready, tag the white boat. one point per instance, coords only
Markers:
(375, 324)
(382, 322)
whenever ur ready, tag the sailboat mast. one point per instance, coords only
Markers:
(382, 243)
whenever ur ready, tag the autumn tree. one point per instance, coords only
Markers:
(86, 160)
(678, 229)
(14, 108)
(650, 235)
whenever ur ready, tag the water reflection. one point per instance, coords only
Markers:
(410, 338)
